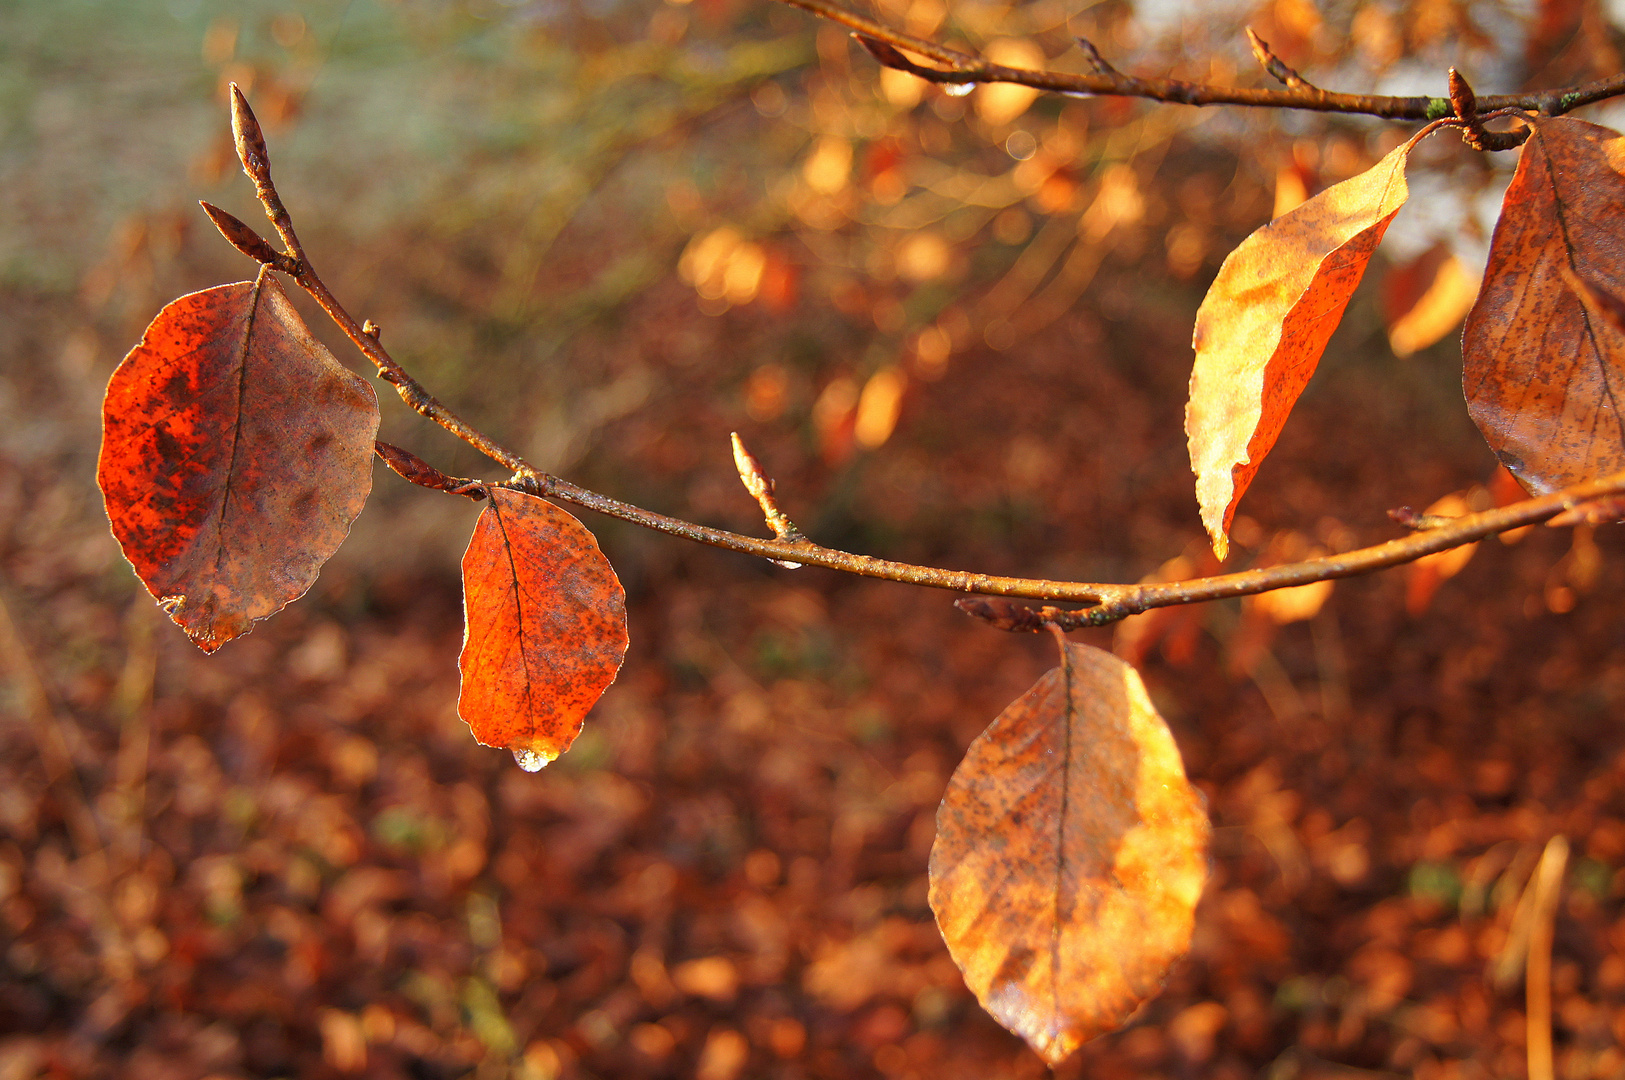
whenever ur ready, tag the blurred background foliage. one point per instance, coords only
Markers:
(956, 329)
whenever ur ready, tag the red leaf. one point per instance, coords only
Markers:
(1543, 353)
(236, 451)
(1070, 854)
(1265, 322)
(546, 627)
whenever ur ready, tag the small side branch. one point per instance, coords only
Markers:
(761, 488)
(410, 467)
(256, 159)
(1120, 601)
(887, 45)
(1276, 67)
(1110, 602)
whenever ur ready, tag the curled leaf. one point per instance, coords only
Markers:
(1070, 854)
(1265, 322)
(1543, 352)
(236, 451)
(546, 627)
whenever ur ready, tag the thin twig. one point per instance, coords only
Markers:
(963, 68)
(1097, 63)
(761, 488)
(409, 466)
(1276, 67)
(1112, 602)
(257, 164)
(1415, 519)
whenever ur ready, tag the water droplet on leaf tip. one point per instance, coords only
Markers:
(533, 760)
(958, 89)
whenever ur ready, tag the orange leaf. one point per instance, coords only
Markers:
(546, 627)
(1542, 370)
(1070, 854)
(235, 453)
(1265, 322)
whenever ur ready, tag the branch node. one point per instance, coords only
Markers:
(245, 239)
(413, 468)
(1462, 99)
(1417, 521)
(1003, 614)
(883, 53)
(1276, 67)
(761, 489)
(371, 329)
(1091, 55)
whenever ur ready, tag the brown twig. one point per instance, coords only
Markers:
(1418, 521)
(761, 488)
(256, 161)
(1276, 67)
(963, 68)
(1112, 602)
(1097, 63)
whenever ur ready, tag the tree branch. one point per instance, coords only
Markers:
(1110, 602)
(963, 68)
(256, 161)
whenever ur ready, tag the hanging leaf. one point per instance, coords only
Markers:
(546, 627)
(1266, 320)
(1070, 855)
(1543, 360)
(236, 451)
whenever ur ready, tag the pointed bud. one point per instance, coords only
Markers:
(241, 237)
(245, 131)
(1462, 97)
(420, 472)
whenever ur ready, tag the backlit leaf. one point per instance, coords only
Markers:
(1543, 370)
(546, 627)
(1070, 854)
(1266, 320)
(236, 451)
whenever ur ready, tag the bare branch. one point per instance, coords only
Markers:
(257, 164)
(963, 68)
(1111, 602)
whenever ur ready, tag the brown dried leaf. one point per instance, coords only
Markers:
(236, 451)
(1542, 367)
(1266, 320)
(546, 627)
(1070, 854)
